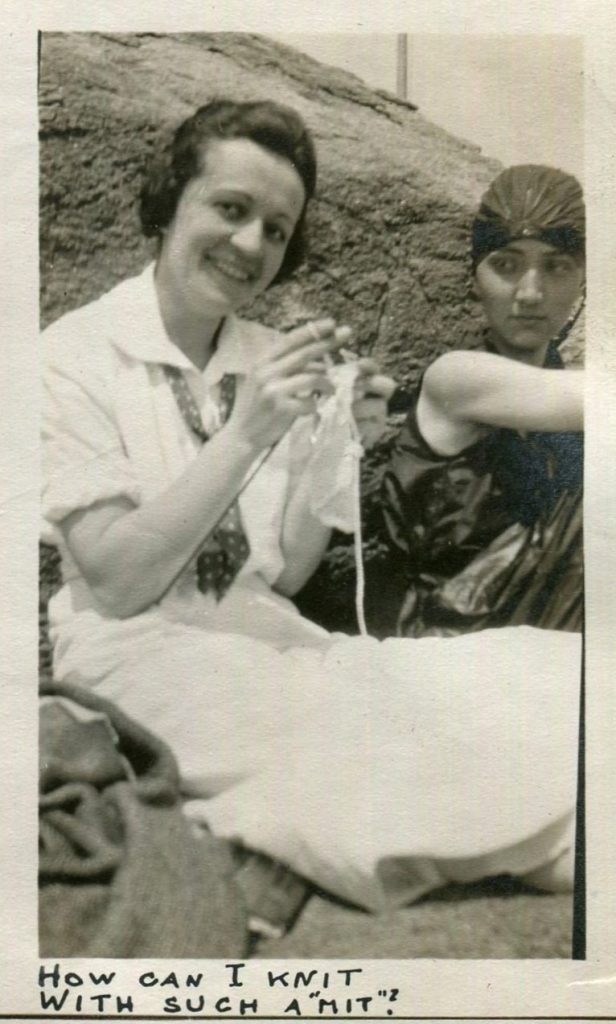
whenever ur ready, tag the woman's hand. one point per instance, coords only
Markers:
(283, 385)
(373, 391)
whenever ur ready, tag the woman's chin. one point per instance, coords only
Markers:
(524, 340)
(216, 300)
(225, 293)
(530, 341)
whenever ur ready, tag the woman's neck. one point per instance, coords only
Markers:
(196, 336)
(196, 339)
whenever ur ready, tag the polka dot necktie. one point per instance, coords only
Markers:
(227, 548)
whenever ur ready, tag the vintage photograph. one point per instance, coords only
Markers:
(311, 561)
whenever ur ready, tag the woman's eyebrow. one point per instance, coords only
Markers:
(229, 190)
(519, 251)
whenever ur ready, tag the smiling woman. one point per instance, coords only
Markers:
(227, 240)
(227, 206)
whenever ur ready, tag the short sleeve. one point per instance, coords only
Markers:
(83, 457)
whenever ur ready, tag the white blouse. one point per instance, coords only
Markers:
(111, 427)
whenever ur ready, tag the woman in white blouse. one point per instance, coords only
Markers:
(181, 483)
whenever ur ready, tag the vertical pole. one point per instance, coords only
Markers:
(401, 65)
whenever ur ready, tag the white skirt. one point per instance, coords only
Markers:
(379, 770)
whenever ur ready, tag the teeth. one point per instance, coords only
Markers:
(231, 270)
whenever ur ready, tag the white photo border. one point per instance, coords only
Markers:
(429, 989)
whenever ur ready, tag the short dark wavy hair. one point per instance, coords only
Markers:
(271, 125)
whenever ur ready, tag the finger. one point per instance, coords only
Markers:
(378, 385)
(300, 384)
(316, 339)
(343, 334)
(348, 356)
(316, 366)
(339, 334)
(314, 330)
(367, 367)
(294, 406)
(298, 360)
(317, 331)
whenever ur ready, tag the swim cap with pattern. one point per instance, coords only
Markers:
(530, 201)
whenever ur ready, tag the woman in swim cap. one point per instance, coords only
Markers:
(484, 485)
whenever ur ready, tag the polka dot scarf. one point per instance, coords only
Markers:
(226, 549)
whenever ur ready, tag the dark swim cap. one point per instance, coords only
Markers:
(530, 201)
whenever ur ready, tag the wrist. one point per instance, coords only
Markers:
(238, 444)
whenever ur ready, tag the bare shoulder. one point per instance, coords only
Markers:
(451, 364)
(455, 372)
(441, 412)
(471, 371)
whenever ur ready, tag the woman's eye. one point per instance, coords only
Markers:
(275, 233)
(504, 264)
(231, 211)
(558, 266)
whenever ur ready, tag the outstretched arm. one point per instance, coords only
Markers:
(464, 391)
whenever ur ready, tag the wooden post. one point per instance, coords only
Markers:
(401, 66)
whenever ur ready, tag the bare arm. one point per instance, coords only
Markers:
(129, 556)
(466, 390)
(303, 542)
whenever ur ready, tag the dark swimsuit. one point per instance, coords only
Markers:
(491, 536)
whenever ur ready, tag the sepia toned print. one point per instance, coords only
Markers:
(265, 709)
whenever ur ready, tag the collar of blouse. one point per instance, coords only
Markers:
(147, 340)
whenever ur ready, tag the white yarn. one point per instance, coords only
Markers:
(335, 467)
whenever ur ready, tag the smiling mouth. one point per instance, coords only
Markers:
(232, 270)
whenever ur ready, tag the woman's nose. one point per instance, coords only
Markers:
(249, 237)
(530, 287)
